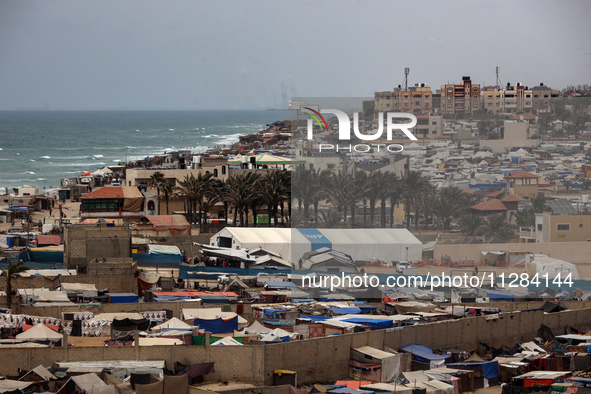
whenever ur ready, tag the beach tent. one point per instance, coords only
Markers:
(40, 332)
(385, 366)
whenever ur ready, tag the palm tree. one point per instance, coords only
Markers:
(471, 224)
(376, 190)
(167, 189)
(526, 217)
(538, 203)
(156, 180)
(449, 205)
(394, 188)
(331, 219)
(413, 186)
(586, 184)
(13, 270)
(496, 225)
(240, 189)
(274, 189)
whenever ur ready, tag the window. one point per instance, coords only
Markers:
(581, 225)
(540, 227)
(563, 227)
(330, 166)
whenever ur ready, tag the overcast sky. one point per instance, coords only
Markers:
(149, 54)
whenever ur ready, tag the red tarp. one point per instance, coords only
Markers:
(49, 240)
(28, 326)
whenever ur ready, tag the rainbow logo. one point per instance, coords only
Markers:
(315, 115)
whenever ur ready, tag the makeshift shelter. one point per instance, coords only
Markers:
(40, 333)
(11, 386)
(87, 383)
(214, 320)
(256, 328)
(123, 298)
(425, 355)
(368, 363)
(173, 324)
(277, 335)
(176, 224)
(38, 374)
(80, 289)
(361, 244)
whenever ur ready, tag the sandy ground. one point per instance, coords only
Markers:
(71, 209)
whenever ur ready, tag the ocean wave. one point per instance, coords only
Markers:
(98, 156)
(29, 172)
(45, 157)
(170, 129)
(41, 179)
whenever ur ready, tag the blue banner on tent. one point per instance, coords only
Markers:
(316, 238)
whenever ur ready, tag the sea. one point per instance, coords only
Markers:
(38, 148)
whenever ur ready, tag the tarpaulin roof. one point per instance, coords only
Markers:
(177, 224)
(498, 295)
(422, 353)
(173, 323)
(346, 310)
(48, 240)
(490, 369)
(39, 333)
(165, 249)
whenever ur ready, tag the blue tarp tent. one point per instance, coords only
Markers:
(490, 369)
(346, 390)
(422, 353)
(217, 326)
(123, 298)
(373, 323)
(499, 295)
(314, 319)
(352, 310)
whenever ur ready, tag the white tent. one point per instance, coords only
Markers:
(85, 289)
(276, 335)
(256, 328)
(361, 244)
(228, 341)
(173, 324)
(39, 332)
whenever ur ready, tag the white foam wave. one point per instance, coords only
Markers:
(45, 157)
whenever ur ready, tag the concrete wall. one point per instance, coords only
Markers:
(315, 360)
(84, 243)
(573, 252)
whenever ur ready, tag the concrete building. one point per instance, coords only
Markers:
(562, 228)
(514, 133)
(460, 98)
(84, 243)
(416, 100)
(429, 126)
(522, 183)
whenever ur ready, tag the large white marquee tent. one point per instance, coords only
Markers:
(396, 244)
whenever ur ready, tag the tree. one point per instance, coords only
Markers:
(13, 270)
(526, 218)
(413, 186)
(156, 180)
(586, 184)
(274, 189)
(449, 205)
(496, 226)
(240, 191)
(471, 224)
(538, 203)
(167, 189)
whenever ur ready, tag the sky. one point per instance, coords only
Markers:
(148, 54)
